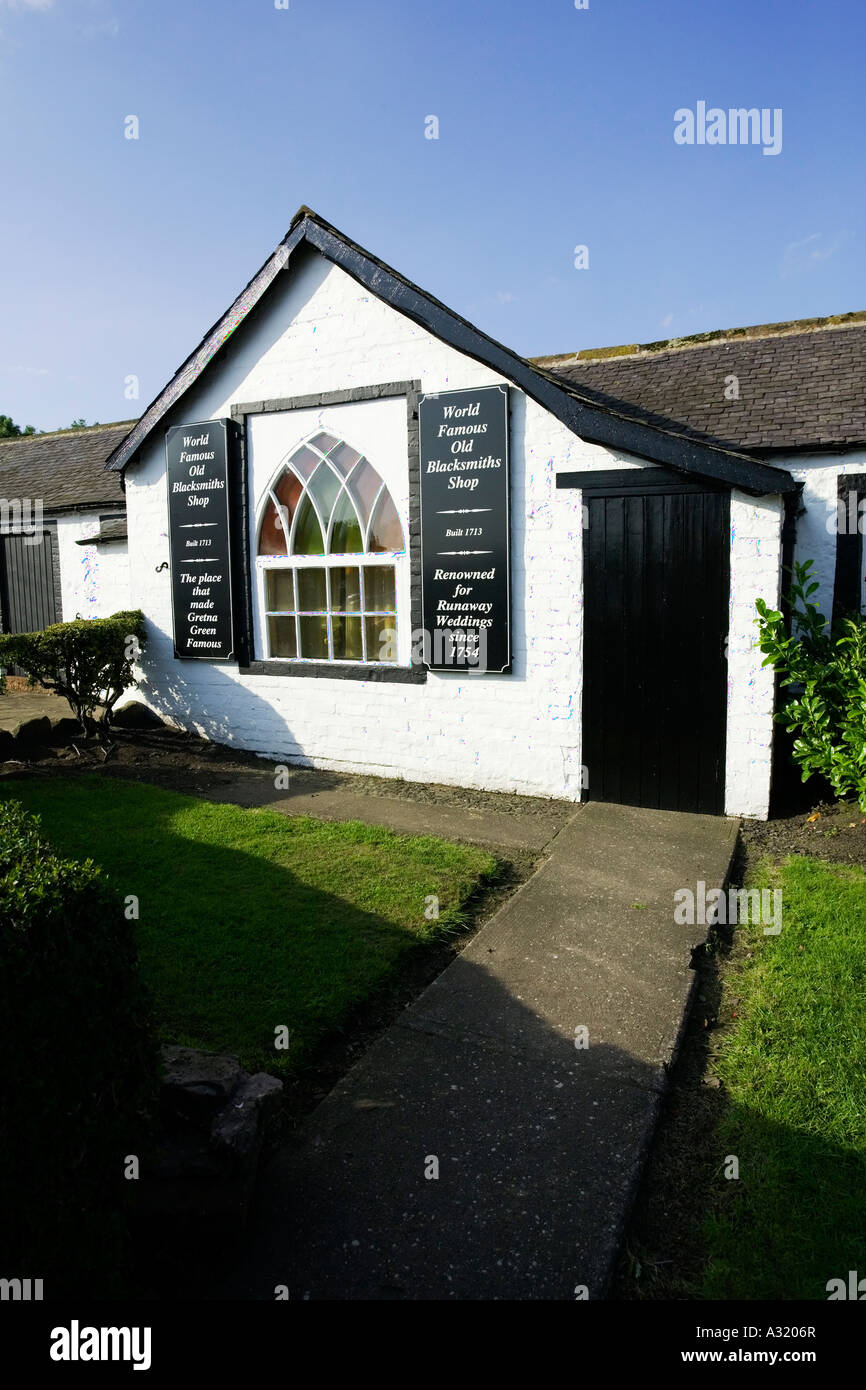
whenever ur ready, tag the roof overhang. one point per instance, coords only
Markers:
(608, 426)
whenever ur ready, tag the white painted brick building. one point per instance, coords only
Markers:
(640, 538)
(329, 340)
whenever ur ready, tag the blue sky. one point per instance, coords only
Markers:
(555, 130)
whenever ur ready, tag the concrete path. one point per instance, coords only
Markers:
(538, 1144)
(528, 830)
(18, 705)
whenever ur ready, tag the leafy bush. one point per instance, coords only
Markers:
(88, 661)
(824, 667)
(79, 1060)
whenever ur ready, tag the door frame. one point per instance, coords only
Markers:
(649, 481)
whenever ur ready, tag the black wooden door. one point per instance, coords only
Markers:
(656, 588)
(27, 592)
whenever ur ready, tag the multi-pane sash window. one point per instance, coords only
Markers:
(329, 544)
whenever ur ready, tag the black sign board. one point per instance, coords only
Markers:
(465, 530)
(197, 468)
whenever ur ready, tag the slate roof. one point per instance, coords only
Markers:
(66, 469)
(802, 385)
(595, 419)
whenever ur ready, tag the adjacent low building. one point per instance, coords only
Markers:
(63, 550)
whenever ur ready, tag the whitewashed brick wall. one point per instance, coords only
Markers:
(94, 581)
(323, 332)
(815, 541)
(756, 559)
(754, 567)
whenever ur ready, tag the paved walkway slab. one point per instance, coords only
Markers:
(539, 1144)
(529, 830)
(18, 705)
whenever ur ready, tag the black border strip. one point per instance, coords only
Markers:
(397, 675)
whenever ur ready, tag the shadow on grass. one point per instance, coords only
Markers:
(234, 943)
(791, 1221)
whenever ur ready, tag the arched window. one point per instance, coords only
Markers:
(329, 541)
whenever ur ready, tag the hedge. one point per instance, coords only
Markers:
(80, 1066)
(88, 661)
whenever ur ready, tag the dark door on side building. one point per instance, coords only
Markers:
(656, 591)
(28, 601)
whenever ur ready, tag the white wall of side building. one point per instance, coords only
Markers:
(94, 579)
(816, 526)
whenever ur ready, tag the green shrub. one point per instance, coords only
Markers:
(824, 667)
(79, 1065)
(88, 661)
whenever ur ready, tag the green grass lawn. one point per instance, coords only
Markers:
(249, 920)
(794, 1068)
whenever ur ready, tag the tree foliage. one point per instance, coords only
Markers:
(9, 429)
(89, 661)
(823, 666)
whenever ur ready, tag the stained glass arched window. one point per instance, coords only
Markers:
(328, 541)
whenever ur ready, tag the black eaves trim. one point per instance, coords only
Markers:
(590, 422)
(626, 482)
(398, 675)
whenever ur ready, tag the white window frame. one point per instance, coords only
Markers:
(361, 560)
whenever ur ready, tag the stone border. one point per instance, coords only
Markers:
(38, 731)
